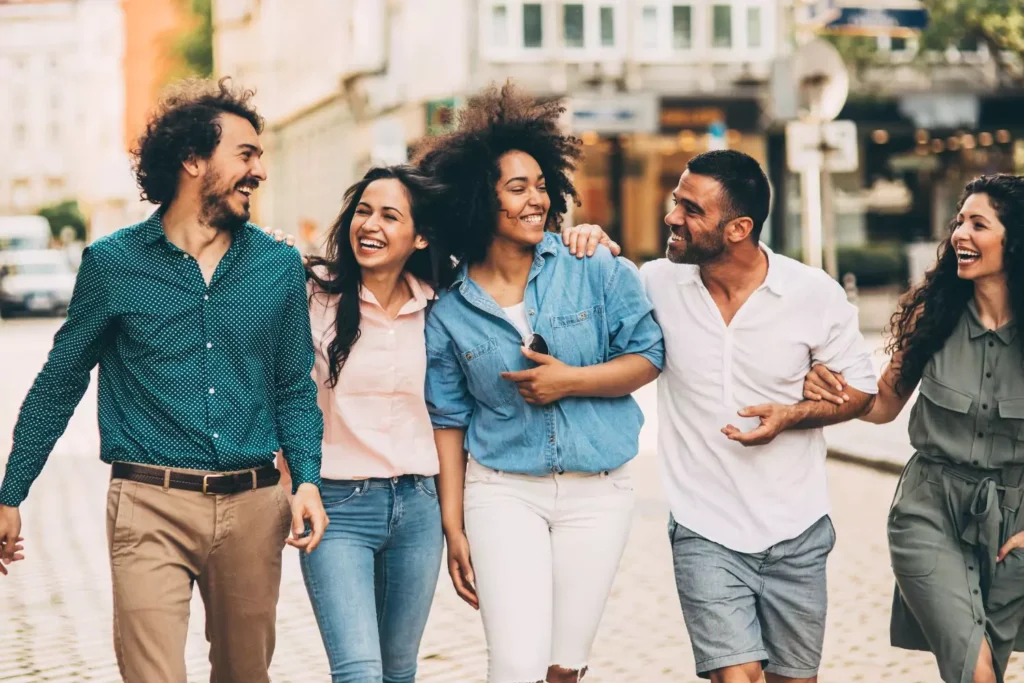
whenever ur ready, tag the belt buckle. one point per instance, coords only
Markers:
(205, 478)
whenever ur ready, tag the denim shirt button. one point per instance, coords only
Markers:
(469, 356)
(583, 316)
(533, 312)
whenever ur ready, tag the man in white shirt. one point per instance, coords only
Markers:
(743, 457)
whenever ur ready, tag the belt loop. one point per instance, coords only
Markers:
(253, 472)
(167, 479)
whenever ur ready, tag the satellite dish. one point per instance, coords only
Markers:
(821, 80)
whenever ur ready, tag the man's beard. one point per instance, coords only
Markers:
(216, 210)
(699, 253)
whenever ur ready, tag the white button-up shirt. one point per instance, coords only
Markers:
(748, 498)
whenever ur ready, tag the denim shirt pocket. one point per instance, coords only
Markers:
(576, 337)
(483, 366)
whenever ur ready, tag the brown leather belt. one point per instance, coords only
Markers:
(213, 483)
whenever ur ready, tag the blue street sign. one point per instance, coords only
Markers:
(874, 21)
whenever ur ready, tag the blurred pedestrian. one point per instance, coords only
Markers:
(198, 323)
(956, 527)
(531, 358)
(749, 528)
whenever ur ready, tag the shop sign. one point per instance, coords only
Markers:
(878, 17)
(701, 115)
(440, 116)
(828, 145)
(615, 113)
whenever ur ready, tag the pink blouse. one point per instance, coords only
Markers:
(375, 419)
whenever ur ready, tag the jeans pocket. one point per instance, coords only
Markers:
(336, 494)
(428, 485)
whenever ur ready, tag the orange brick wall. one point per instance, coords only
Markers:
(150, 27)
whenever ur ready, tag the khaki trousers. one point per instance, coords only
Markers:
(161, 543)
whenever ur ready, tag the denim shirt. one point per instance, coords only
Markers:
(588, 311)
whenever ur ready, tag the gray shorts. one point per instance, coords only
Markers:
(766, 607)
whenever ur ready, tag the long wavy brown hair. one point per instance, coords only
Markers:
(928, 314)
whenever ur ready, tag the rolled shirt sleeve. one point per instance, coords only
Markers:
(447, 394)
(299, 421)
(630, 316)
(842, 347)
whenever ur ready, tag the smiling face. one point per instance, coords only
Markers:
(978, 239)
(697, 229)
(382, 234)
(231, 174)
(523, 198)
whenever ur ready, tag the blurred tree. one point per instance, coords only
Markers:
(193, 47)
(62, 215)
(997, 24)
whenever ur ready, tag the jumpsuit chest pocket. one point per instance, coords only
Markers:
(941, 412)
(1011, 424)
(483, 366)
(576, 337)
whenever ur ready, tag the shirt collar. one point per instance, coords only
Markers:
(547, 247)
(421, 293)
(976, 329)
(774, 281)
(153, 228)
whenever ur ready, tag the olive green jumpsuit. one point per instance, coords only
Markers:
(959, 500)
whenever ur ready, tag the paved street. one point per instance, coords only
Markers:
(55, 607)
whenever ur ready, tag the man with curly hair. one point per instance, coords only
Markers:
(198, 323)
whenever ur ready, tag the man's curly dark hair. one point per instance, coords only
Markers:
(186, 125)
(494, 122)
(928, 314)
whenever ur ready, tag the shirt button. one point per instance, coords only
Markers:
(551, 439)
(209, 345)
(970, 569)
(973, 462)
(980, 435)
(533, 312)
(469, 356)
(211, 391)
(206, 297)
(991, 343)
(984, 406)
(988, 374)
(186, 256)
(216, 436)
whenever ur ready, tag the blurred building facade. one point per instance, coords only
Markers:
(647, 85)
(62, 119)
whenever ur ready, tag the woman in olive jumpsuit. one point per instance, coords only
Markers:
(956, 528)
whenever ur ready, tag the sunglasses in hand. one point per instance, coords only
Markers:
(537, 344)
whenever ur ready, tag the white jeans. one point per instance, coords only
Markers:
(545, 551)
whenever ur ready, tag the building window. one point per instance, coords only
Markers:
(897, 44)
(754, 27)
(682, 28)
(607, 27)
(649, 27)
(533, 34)
(572, 24)
(499, 26)
(721, 26)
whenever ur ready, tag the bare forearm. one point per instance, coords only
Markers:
(452, 478)
(816, 414)
(618, 377)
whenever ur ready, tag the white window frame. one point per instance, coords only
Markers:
(701, 17)
(552, 32)
(592, 49)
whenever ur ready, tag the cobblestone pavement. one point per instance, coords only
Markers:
(55, 606)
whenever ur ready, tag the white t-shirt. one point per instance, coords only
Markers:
(748, 498)
(517, 314)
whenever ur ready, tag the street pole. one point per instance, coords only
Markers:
(810, 213)
(828, 224)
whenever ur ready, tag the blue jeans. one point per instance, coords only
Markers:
(372, 579)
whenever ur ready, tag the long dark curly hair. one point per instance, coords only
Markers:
(186, 125)
(494, 122)
(341, 272)
(928, 314)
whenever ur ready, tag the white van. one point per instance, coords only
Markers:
(24, 232)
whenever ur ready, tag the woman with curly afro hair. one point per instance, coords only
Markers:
(532, 356)
(956, 529)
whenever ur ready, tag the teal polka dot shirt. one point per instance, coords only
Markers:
(212, 378)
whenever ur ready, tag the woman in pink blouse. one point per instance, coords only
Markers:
(372, 579)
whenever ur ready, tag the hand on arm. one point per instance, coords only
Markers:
(821, 384)
(10, 537)
(451, 483)
(776, 418)
(553, 380)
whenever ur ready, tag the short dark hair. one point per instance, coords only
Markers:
(493, 123)
(186, 125)
(745, 189)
